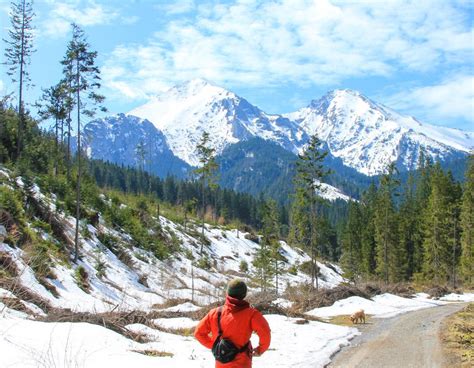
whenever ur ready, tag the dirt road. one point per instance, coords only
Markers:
(409, 341)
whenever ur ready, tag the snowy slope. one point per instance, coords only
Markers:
(118, 139)
(184, 112)
(368, 136)
(144, 281)
(332, 193)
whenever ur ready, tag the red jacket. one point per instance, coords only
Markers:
(238, 321)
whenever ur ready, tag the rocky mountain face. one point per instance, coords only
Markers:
(131, 141)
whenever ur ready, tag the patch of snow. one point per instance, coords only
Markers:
(466, 297)
(175, 323)
(185, 307)
(382, 306)
(282, 303)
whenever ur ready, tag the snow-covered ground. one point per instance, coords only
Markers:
(146, 283)
(385, 305)
(26, 343)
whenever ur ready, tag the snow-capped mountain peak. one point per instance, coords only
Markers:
(368, 136)
(184, 112)
(363, 134)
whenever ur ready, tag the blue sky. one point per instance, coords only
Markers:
(413, 56)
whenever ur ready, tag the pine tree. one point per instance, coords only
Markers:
(206, 172)
(454, 210)
(467, 226)
(55, 103)
(422, 194)
(304, 219)
(352, 244)
(438, 228)
(18, 55)
(368, 244)
(271, 239)
(389, 257)
(83, 77)
(408, 228)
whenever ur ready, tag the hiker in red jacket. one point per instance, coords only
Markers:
(237, 321)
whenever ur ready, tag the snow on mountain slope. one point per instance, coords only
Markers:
(184, 112)
(132, 141)
(368, 136)
(331, 193)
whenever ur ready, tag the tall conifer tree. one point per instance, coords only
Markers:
(18, 55)
(386, 228)
(351, 243)
(83, 77)
(438, 229)
(368, 203)
(206, 172)
(467, 226)
(304, 224)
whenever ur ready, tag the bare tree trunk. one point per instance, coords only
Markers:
(56, 148)
(21, 112)
(78, 188)
(192, 282)
(454, 253)
(385, 250)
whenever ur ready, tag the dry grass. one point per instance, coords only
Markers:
(115, 321)
(15, 303)
(8, 265)
(344, 320)
(183, 331)
(13, 285)
(154, 353)
(458, 338)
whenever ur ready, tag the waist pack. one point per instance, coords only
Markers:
(224, 350)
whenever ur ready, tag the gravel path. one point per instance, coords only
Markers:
(410, 340)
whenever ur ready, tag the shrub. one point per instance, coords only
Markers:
(252, 237)
(10, 201)
(244, 266)
(39, 258)
(108, 240)
(204, 263)
(100, 266)
(42, 225)
(82, 278)
(189, 254)
(293, 269)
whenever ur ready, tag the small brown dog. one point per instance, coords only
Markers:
(358, 316)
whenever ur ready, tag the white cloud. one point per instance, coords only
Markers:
(177, 7)
(87, 13)
(262, 43)
(453, 98)
(2, 87)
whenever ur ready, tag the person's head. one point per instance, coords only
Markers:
(237, 289)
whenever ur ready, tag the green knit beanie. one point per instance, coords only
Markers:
(237, 289)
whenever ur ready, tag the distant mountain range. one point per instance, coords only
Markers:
(361, 136)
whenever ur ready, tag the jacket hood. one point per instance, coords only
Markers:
(235, 305)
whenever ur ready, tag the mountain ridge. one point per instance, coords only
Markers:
(365, 134)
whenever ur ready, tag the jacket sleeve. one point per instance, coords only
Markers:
(262, 329)
(202, 331)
